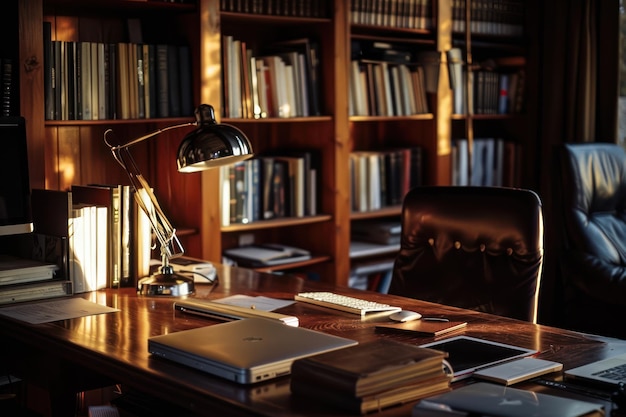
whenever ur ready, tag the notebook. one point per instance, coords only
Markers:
(609, 371)
(486, 399)
(244, 351)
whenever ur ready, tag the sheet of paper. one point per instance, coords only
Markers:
(53, 310)
(259, 302)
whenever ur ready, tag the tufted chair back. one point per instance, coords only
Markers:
(592, 207)
(479, 248)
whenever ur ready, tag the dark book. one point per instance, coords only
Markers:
(376, 231)
(162, 84)
(185, 75)
(48, 80)
(281, 194)
(368, 368)
(173, 77)
(151, 85)
(56, 84)
(70, 51)
(267, 195)
(399, 395)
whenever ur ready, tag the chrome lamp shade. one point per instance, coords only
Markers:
(209, 145)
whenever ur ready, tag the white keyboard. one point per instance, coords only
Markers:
(344, 303)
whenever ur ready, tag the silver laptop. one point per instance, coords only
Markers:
(609, 371)
(244, 351)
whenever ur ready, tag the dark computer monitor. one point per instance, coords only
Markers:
(15, 204)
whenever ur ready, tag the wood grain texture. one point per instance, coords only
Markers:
(113, 347)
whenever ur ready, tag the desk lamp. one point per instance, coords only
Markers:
(209, 145)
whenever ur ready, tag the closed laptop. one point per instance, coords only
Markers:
(244, 351)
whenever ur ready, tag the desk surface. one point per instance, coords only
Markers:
(114, 346)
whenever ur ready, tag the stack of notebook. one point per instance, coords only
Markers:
(370, 376)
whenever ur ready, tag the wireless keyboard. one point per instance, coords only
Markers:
(344, 303)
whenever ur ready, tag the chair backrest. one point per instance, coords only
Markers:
(594, 198)
(473, 247)
(593, 204)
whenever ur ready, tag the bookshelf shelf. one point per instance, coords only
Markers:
(384, 212)
(413, 117)
(272, 120)
(276, 223)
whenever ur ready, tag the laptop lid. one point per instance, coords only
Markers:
(244, 351)
(609, 371)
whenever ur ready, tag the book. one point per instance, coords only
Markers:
(266, 255)
(370, 376)
(367, 368)
(519, 370)
(423, 327)
(35, 291)
(483, 398)
(377, 231)
(15, 269)
(378, 401)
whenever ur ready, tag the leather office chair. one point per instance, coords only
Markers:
(591, 208)
(473, 247)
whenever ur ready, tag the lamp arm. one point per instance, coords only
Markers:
(145, 197)
(144, 137)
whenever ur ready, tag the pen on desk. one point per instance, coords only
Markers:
(576, 389)
(441, 319)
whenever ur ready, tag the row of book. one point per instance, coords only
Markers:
(495, 162)
(109, 239)
(301, 8)
(96, 80)
(496, 90)
(382, 178)
(269, 187)
(493, 93)
(386, 89)
(409, 14)
(282, 83)
(491, 17)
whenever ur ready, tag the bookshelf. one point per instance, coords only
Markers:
(68, 152)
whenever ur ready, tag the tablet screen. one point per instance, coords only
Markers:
(466, 354)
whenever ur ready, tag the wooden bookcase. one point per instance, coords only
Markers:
(72, 152)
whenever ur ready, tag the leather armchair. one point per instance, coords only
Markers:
(473, 247)
(592, 209)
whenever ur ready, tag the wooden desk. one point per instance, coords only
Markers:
(112, 348)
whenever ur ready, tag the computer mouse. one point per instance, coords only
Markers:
(405, 315)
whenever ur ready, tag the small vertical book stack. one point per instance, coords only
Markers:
(370, 376)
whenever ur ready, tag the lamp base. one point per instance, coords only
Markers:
(166, 284)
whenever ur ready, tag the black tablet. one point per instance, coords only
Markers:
(467, 354)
